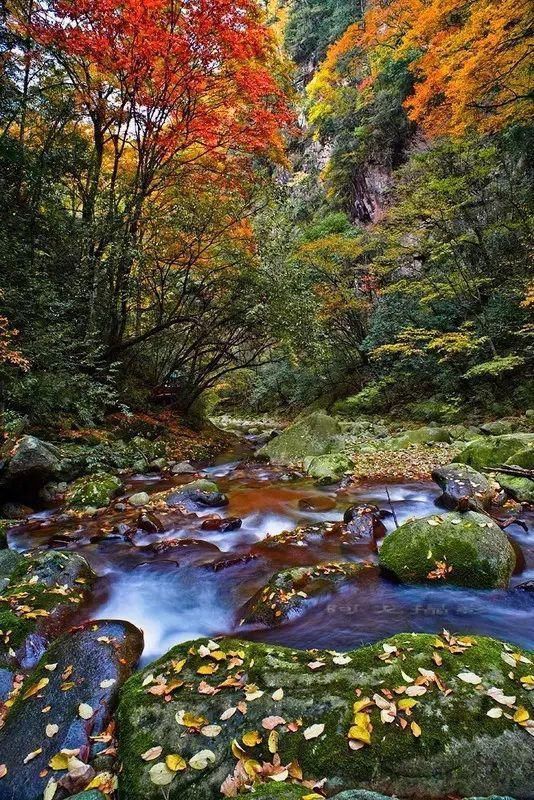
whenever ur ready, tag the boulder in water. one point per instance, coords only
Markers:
(74, 689)
(463, 549)
(92, 491)
(489, 452)
(463, 487)
(329, 468)
(348, 720)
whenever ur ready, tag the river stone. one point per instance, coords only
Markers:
(523, 458)
(197, 493)
(289, 592)
(93, 491)
(461, 751)
(33, 462)
(139, 499)
(97, 652)
(315, 435)
(500, 427)
(329, 468)
(423, 436)
(462, 485)
(489, 452)
(41, 596)
(521, 489)
(183, 468)
(471, 546)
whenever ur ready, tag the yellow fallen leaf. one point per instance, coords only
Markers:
(207, 669)
(521, 715)
(59, 761)
(272, 741)
(361, 730)
(33, 755)
(175, 762)
(252, 738)
(36, 688)
(360, 705)
(406, 703)
(416, 730)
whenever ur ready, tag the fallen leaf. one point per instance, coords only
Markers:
(202, 759)
(160, 774)
(314, 731)
(51, 730)
(211, 731)
(152, 753)
(36, 688)
(495, 713)
(85, 711)
(416, 730)
(269, 723)
(33, 755)
(470, 677)
(278, 694)
(175, 762)
(106, 684)
(251, 739)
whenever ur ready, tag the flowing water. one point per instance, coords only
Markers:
(199, 588)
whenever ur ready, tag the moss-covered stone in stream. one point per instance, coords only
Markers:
(521, 489)
(39, 595)
(453, 747)
(328, 468)
(463, 549)
(489, 452)
(94, 491)
(315, 435)
(289, 591)
(523, 458)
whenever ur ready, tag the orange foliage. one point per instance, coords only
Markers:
(470, 59)
(8, 353)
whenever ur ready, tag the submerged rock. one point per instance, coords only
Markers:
(463, 487)
(489, 452)
(197, 494)
(74, 689)
(318, 503)
(315, 435)
(92, 491)
(289, 591)
(222, 525)
(463, 549)
(418, 729)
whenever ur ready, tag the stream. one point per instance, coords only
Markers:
(199, 588)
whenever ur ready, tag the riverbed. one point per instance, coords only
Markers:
(199, 587)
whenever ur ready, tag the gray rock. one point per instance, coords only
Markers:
(183, 468)
(315, 435)
(139, 499)
(463, 487)
(99, 652)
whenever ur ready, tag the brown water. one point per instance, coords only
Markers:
(178, 595)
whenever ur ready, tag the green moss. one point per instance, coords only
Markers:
(327, 468)
(489, 452)
(472, 548)
(521, 489)
(5, 525)
(315, 435)
(92, 491)
(460, 751)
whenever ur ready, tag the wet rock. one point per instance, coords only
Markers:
(289, 592)
(92, 491)
(222, 525)
(41, 596)
(9, 560)
(183, 468)
(489, 452)
(232, 561)
(307, 544)
(364, 523)
(329, 468)
(318, 504)
(139, 499)
(150, 523)
(528, 586)
(92, 663)
(197, 494)
(463, 549)
(419, 436)
(315, 435)
(460, 750)
(463, 487)
(5, 525)
(500, 427)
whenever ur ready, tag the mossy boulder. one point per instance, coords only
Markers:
(315, 435)
(418, 730)
(489, 452)
(523, 458)
(91, 664)
(197, 494)
(40, 596)
(424, 436)
(463, 549)
(500, 427)
(92, 491)
(463, 486)
(289, 592)
(323, 541)
(329, 468)
(521, 489)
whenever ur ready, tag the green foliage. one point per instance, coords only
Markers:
(314, 24)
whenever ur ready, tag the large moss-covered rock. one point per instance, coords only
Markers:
(423, 436)
(74, 687)
(521, 489)
(39, 597)
(329, 468)
(315, 435)
(462, 486)
(197, 494)
(32, 462)
(463, 549)
(95, 491)
(523, 458)
(422, 730)
(289, 591)
(489, 452)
